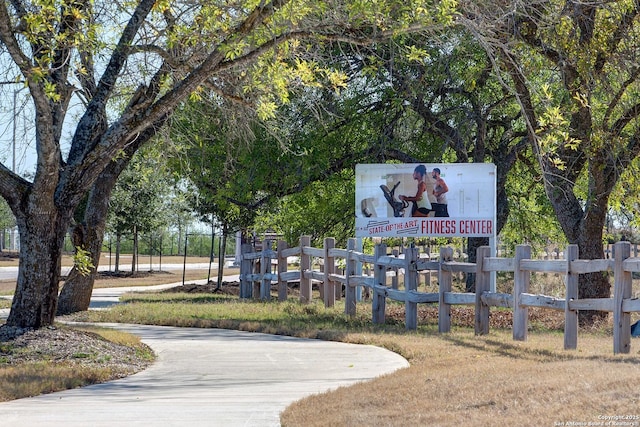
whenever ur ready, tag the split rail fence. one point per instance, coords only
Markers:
(260, 269)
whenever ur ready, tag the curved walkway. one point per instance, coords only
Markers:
(208, 377)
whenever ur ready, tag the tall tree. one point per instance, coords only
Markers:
(137, 204)
(450, 85)
(166, 51)
(573, 67)
(447, 104)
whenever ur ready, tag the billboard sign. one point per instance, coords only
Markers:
(426, 200)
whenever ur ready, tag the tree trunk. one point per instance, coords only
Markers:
(585, 231)
(76, 292)
(134, 254)
(583, 226)
(222, 251)
(118, 242)
(590, 246)
(179, 239)
(473, 243)
(582, 221)
(42, 232)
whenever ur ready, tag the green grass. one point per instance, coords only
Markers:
(228, 312)
(453, 378)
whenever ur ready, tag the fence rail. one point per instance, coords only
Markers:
(259, 269)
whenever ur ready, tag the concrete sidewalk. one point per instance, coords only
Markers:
(207, 377)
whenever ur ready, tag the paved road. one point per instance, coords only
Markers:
(12, 272)
(207, 377)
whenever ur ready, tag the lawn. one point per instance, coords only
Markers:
(455, 378)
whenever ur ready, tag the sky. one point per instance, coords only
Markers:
(16, 103)
(24, 155)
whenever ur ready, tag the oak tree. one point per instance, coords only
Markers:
(573, 69)
(130, 64)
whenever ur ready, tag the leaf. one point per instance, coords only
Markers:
(82, 261)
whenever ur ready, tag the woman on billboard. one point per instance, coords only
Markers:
(421, 204)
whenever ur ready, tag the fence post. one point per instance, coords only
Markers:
(444, 279)
(282, 268)
(483, 284)
(522, 279)
(350, 291)
(621, 291)
(379, 303)
(265, 270)
(338, 287)
(394, 279)
(410, 284)
(255, 269)
(426, 273)
(357, 271)
(246, 267)
(305, 268)
(329, 269)
(571, 316)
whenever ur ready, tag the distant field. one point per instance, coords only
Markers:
(126, 278)
(10, 259)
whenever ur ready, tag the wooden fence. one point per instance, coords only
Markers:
(259, 269)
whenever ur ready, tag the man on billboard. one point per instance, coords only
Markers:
(440, 190)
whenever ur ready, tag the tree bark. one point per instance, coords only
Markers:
(590, 246)
(222, 251)
(134, 255)
(77, 288)
(76, 293)
(118, 240)
(42, 232)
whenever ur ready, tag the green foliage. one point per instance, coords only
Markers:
(623, 220)
(579, 84)
(82, 261)
(7, 220)
(138, 200)
(128, 66)
(219, 181)
(531, 219)
(322, 209)
(415, 104)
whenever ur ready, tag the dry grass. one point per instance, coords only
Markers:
(459, 378)
(33, 379)
(455, 378)
(60, 358)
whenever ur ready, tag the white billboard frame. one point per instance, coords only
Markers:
(470, 200)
